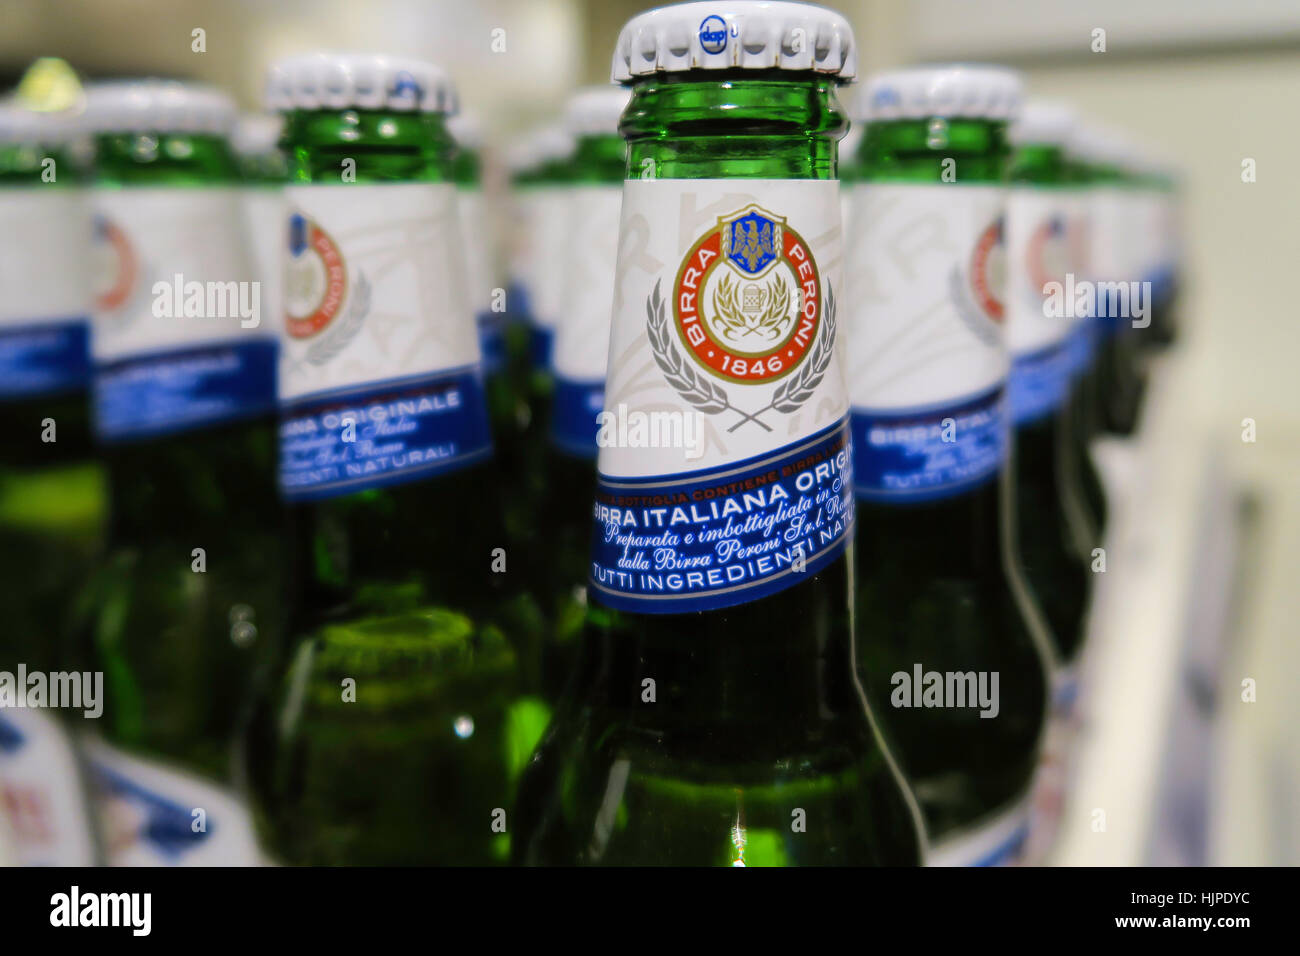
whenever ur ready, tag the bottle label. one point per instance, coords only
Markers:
(582, 339)
(474, 224)
(380, 380)
(998, 841)
(151, 815)
(1114, 250)
(1038, 324)
(44, 316)
(543, 241)
(728, 475)
(926, 361)
(179, 338)
(41, 797)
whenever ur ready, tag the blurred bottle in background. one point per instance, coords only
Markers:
(51, 486)
(503, 391)
(390, 725)
(184, 391)
(1114, 257)
(1057, 534)
(581, 348)
(950, 641)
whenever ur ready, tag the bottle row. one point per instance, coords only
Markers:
(752, 521)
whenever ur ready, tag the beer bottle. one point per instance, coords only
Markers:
(184, 405)
(467, 172)
(389, 723)
(1114, 259)
(1057, 533)
(715, 717)
(51, 485)
(949, 643)
(581, 347)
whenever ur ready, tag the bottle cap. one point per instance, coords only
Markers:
(256, 134)
(364, 81)
(467, 130)
(30, 127)
(168, 106)
(1048, 122)
(595, 111)
(735, 34)
(950, 90)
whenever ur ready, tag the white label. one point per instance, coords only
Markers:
(264, 222)
(926, 284)
(374, 287)
(995, 841)
(726, 292)
(45, 236)
(1114, 249)
(747, 330)
(542, 260)
(582, 339)
(150, 815)
(42, 801)
(146, 237)
(478, 261)
(1038, 252)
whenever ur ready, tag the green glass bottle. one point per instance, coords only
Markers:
(1114, 258)
(390, 725)
(184, 404)
(595, 197)
(51, 484)
(489, 306)
(1053, 463)
(715, 717)
(1076, 196)
(949, 641)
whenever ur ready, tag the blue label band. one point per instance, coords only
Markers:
(382, 433)
(492, 340)
(1083, 345)
(1040, 382)
(44, 359)
(918, 454)
(149, 395)
(164, 825)
(540, 346)
(573, 416)
(723, 536)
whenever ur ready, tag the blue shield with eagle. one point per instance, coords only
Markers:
(752, 242)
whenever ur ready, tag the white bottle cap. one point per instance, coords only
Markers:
(167, 106)
(735, 34)
(968, 90)
(363, 81)
(596, 110)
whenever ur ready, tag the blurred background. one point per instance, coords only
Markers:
(1186, 771)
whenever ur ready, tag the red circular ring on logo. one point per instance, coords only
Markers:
(989, 240)
(336, 286)
(727, 363)
(125, 272)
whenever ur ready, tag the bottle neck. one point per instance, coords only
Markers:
(164, 159)
(733, 124)
(26, 164)
(934, 150)
(368, 146)
(599, 159)
(1039, 164)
